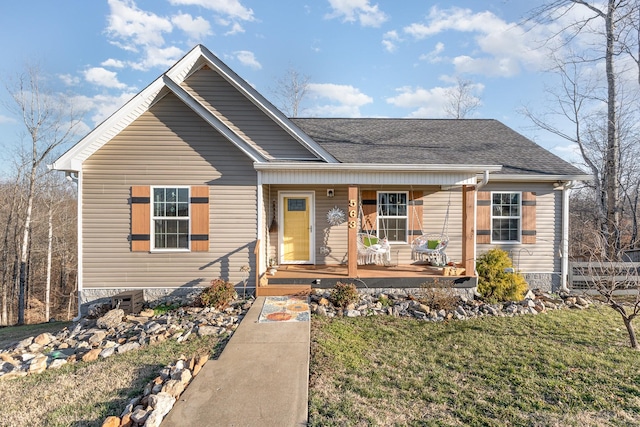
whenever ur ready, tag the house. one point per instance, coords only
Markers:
(199, 177)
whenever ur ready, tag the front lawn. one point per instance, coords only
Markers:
(566, 367)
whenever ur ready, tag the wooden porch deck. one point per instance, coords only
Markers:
(301, 278)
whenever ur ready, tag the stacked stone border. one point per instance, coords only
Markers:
(104, 333)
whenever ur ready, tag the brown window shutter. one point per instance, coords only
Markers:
(369, 209)
(416, 212)
(199, 218)
(528, 217)
(140, 218)
(483, 220)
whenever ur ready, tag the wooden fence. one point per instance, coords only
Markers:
(622, 276)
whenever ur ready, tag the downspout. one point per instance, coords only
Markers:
(564, 268)
(79, 275)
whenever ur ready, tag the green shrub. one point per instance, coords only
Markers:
(497, 280)
(164, 308)
(218, 295)
(344, 294)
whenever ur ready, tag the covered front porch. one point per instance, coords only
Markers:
(399, 271)
(295, 279)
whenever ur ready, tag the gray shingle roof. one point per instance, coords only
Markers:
(433, 141)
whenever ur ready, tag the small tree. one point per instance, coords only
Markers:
(618, 285)
(497, 279)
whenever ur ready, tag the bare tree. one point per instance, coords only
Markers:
(617, 283)
(290, 91)
(613, 23)
(461, 99)
(50, 121)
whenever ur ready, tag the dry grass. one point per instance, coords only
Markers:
(565, 368)
(84, 394)
(11, 334)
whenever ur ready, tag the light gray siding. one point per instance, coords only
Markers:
(168, 145)
(544, 255)
(243, 117)
(438, 207)
(331, 241)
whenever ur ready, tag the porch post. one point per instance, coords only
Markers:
(468, 229)
(352, 220)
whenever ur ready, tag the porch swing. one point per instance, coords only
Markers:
(431, 247)
(371, 249)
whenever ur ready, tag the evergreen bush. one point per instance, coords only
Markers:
(497, 279)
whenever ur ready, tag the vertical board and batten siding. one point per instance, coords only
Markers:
(168, 145)
(242, 116)
(543, 255)
(334, 238)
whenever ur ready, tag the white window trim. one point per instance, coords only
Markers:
(406, 217)
(519, 218)
(153, 218)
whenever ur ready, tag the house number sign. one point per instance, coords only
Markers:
(352, 213)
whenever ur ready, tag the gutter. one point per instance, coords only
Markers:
(377, 167)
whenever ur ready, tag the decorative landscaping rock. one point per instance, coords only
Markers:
(113, 333)
(407, 303)
(91, 355)
(111, 319)
(161, 404)
(111, 422)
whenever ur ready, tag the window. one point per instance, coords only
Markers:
(505, 217)
(392, 216)
(170, 218)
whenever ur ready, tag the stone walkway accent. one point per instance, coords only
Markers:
(260, 379)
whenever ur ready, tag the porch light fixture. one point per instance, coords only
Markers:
(330, 192)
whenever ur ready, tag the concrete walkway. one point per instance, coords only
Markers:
(260, 379)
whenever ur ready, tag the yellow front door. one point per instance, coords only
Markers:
(297, 228)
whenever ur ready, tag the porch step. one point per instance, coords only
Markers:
(275, 290)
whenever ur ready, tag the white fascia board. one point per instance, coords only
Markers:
(539, 178)
(74, 157)
(375, 167)
(210, 118)
(268, 108)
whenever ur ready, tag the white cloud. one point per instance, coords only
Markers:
(389, 40)
(434, 55)
(132, 27)
(114, 63)
(68, 79)
(500, 49)
(102, 105)
(158, 57)
(344, 100)
(196, 28)
(430, 103)
(236, 28)
(5, 119)
(424, 102)
(357, 10)
(103, 77)
(232, 8)
(248, 58)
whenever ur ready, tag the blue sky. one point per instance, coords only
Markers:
(364, 58)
